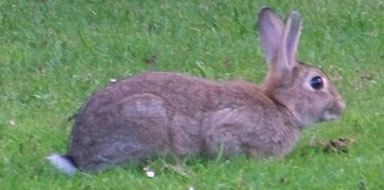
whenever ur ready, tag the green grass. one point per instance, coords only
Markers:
(54, 54)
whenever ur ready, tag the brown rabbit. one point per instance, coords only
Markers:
(159, 113)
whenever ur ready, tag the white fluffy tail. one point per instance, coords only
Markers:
(62, 163)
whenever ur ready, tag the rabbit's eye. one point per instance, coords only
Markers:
(316, 82)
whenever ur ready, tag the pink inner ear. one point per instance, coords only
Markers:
(291, 39)
(271, 30)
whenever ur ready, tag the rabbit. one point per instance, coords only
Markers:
(163, 113)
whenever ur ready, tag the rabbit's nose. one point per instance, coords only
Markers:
(343, 105)
(339, 105)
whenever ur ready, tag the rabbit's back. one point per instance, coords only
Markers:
(183, 93)
(186, 94)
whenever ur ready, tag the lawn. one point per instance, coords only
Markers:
(54, 54)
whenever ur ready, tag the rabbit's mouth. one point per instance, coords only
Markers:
(334, 111)
(327, 116)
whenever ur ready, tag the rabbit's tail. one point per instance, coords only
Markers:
(63, 163)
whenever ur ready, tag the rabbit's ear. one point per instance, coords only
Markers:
(290, 41)
(271, 30)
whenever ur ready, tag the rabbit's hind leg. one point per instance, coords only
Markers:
(137, 132)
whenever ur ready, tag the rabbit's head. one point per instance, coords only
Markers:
(304, 90)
